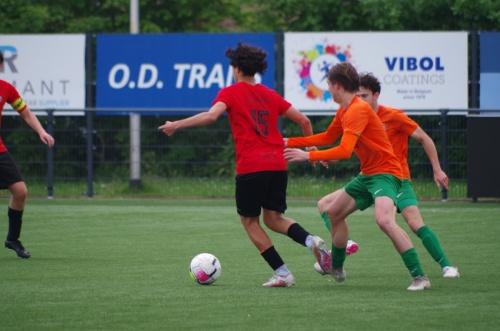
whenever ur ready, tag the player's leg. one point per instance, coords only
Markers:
(386, 220)
(323, 203)
(274, 205)
(430, 241)
(337, 213)
(249, 190)
(274, 185)
(408, 204)
(11, 178)
(384, 188)
(384, 214)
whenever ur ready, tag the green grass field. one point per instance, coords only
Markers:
(123, 265)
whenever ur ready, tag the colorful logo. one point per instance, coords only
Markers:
(313, 67)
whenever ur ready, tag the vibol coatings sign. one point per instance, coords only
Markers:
(413, 63)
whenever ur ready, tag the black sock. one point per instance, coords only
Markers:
(15, 224)
(272, 258)
(297, 233)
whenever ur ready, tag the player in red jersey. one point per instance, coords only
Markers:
(10, 176)
(261, 171)
(380, 178)
(399, 127)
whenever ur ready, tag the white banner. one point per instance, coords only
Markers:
(47, 70)
(417, 70)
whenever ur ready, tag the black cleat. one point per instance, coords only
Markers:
(16, 246)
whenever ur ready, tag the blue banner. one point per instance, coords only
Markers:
(489, 52)
(170, 71)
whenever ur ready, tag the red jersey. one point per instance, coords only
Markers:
(372, 148)
(253, 112)
(398, 127)
(9, 94)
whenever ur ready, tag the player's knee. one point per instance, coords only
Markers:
(321, 206)
(20, 193)
(385, 224)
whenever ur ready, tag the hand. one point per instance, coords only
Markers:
(168, 128)
(285, 142)
(441, 178)
(323, 163)
(47, 139)
(295, 155)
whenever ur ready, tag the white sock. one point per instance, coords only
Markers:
(282, 271)
(309, 241)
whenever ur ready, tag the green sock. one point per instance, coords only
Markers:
(431, 243)
(338, 256)
(326, 220)
(327, 223)
(410, 258)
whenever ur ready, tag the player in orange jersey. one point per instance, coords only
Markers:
(10, 177)
(399, 127)
(380, 178)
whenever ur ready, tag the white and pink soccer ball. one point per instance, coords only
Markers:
(205, 268)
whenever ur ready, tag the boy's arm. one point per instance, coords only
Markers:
(440, 177)
(201, 119)
(34, 123)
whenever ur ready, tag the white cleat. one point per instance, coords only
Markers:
(323, 256)
(450, 272)
(420, 283)
(280, 281)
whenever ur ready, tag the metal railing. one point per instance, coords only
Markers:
(95, 147)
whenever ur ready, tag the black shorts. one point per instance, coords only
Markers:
(257, 190)
(9, 173)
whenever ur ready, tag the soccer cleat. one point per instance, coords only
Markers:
(338, 273)
(318, 269)
(420, 283)
(16, 246)
(351, 248)
(280, 281)
(450, 272)
(323, 256)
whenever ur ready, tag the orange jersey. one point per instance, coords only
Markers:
(362, 133)
(398, 127)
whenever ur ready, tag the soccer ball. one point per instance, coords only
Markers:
(205, 268)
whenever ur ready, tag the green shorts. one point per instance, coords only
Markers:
(364, 189)
(406, 196)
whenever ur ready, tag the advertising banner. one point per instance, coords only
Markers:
(176, 72)
(417, 70)
(47, 70)
(489, 64)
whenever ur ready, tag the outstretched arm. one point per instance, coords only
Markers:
(201, 119)
(440, 178)
(34, 123)
(296, 116)
(343, 151)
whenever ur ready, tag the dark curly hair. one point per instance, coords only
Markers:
(249, 59)
(369, 81)
(346, 75)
